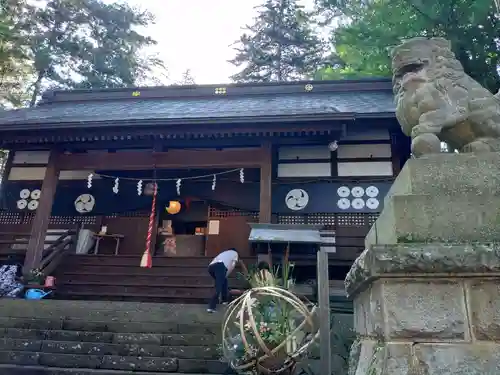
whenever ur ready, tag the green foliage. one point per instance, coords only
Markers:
(365, 32)
(281, 45)
(14, 63)
(79, 44)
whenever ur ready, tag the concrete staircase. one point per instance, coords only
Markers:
(82, 337)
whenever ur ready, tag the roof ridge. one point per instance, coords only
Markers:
(221, 90)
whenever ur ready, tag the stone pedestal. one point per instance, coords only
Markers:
(427, 288)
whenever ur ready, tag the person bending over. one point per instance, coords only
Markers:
(220, 268)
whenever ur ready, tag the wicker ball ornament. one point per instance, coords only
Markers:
(248, 326)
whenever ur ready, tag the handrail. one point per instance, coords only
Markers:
(51, 256)
(54, 244)
(56, 252)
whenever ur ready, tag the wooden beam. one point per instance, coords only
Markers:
(173, 159)
(40, 223)
(324, 312)
(265, 184)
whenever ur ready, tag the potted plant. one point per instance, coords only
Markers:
(268, 328)
(34, 277)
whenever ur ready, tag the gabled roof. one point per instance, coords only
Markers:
(208, 103)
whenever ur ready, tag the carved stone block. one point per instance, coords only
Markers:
(424, 310)
(484, 307)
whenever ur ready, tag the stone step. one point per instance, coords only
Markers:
(110, 326)
(127, 349)
(40, 370)
(112, 362)
(107, 311)
(167, 339)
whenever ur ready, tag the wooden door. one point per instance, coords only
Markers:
(233, 232)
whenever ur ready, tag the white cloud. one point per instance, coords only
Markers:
(197, 34)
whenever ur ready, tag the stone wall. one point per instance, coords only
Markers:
(430, 327)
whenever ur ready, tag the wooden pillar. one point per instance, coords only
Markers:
(324, 311)
(40, 223)
(266, 168)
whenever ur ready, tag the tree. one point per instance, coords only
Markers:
(363, 43)
(281, 45)
(187, 78)
(14, 62)
(85, 44)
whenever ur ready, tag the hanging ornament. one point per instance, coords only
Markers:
(117, 183)
(174, 207)
(214, 182)
(242, 175)
(147, 259)
(89, 180)
(178, 186)
(139, 187)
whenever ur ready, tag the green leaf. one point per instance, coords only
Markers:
(364, 32)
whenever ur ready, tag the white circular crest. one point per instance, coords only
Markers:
(372, 191)
(35, 194)
(343, 203)
(358, 203)
(32, 205)
(343, 191)
(357, 192)
(372, 203)
(297, 199)
(22, 203)
(25, 193)
(84, 203)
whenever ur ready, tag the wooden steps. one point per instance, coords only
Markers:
(171, 279)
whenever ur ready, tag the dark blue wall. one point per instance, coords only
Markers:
(322, 196)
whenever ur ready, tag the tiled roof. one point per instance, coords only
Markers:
(203, 108)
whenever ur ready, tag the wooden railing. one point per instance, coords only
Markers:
(53, 255)
(15, 244)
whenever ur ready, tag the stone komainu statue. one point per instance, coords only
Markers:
(437, 101)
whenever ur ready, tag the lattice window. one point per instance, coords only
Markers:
(330, 220)
(372, 218)
(10, 218)
(229, 212)
(70, 220)
(321, 219)
(27, 218)
(129, 214)
(352, 220)
(291, 219)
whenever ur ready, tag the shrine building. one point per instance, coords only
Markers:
(84, 166)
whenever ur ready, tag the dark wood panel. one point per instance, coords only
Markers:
(357, 242)
(173, 159)
(134, 230)
(233, 233)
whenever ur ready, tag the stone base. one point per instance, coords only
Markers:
(443, 198)
(407, 358)
(427, 288)
(411, 321)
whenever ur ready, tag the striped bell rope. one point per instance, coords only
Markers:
(147, 259)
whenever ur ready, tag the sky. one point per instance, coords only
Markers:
(197, 35)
